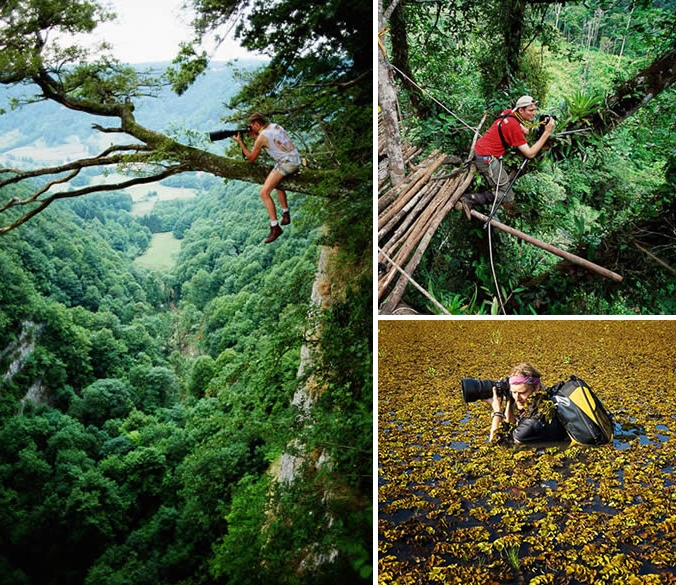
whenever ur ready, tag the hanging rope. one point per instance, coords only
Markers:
(490, 241)
(435, 100)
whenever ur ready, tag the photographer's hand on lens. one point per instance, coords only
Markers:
(510, 415)
(496, 402)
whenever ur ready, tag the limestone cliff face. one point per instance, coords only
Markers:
(17, 353)
(298, 457)
(305, 396)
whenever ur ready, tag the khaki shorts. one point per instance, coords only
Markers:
(495, 174)
(286, 168)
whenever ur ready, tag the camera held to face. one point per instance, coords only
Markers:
(473, 389)
(543, 121)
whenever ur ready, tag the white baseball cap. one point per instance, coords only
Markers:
(524, 101)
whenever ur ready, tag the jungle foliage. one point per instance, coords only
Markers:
(607, 196)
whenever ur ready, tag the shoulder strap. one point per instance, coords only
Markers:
(502, 137)
(554, 389)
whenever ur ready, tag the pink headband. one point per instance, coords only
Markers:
(524, 380)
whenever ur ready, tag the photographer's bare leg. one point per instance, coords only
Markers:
(281, 196)
(286, 216)
(266, 195)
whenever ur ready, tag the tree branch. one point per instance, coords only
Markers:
(53, 90)
(44, 203)
(154, 149)
(339, 84)
(636, 92)
(107, 130)
(101, 160)
(389, 10)
(655, 258)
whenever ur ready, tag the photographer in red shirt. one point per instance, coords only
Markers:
(509, 130)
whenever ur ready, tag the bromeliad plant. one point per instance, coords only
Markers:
(574, 134)
(579, 107)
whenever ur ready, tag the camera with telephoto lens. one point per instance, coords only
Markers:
(543, 121)
(473, 389)
(223, 134)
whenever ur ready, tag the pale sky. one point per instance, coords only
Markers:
(151, 30)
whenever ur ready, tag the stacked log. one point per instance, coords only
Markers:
(410, 213)
(408, 216)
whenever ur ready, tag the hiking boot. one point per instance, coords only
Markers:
(286, 218)
(275, 232)
(466, 205)
(481, 198)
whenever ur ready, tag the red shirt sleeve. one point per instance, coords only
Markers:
(490, 143)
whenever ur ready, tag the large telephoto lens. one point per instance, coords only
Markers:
(220, 135)
(473, 389)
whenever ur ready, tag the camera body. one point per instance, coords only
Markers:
(543, 121)
(223, 134)
(473, 389)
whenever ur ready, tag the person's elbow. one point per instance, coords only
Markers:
(527, 151)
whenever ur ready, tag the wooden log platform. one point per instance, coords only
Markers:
(411, 212)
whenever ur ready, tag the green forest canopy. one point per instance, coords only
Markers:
(605, 195)
(142, 401)
(160, 401)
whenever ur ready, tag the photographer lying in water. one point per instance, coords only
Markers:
(522, 410)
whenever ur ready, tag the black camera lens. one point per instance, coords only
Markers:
(473, 389)
(218, 135)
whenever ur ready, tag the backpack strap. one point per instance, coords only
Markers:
(502, 137)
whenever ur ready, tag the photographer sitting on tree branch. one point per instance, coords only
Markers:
(509, 130)
(276, 141)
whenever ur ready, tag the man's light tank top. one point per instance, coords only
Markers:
(280, 146)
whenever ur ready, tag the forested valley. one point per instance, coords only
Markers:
(602, 189)
(179, 402)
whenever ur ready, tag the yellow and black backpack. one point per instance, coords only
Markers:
(581, 412)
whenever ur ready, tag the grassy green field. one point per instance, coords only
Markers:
(143, 202)
(164, 248)
(162, 253)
